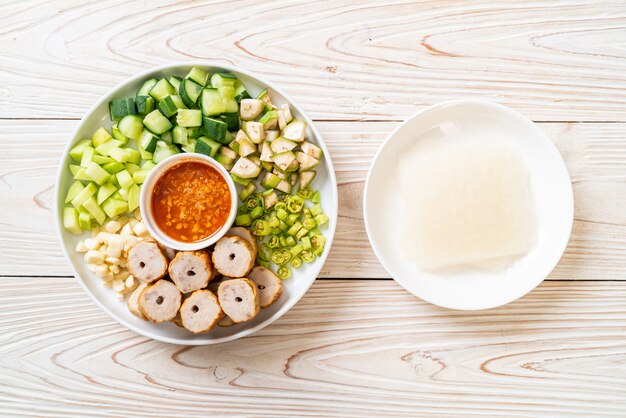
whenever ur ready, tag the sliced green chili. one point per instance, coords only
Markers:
(296, 262)
(307, 256)
(243, 220)
(306, 193)
(283, 272)
(273, 241)
(261, 228)
(295, 204)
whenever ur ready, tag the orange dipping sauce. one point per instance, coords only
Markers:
(191, 201)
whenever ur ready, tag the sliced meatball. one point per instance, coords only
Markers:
(146, 261)
(239, 299)
(201, 311)
(241, 232)
(269, 286)
(191, 270)
(233, 256)
(169, 253)
(160, 302)
(133, 301)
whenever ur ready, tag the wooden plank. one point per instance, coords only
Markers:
(371, 350)
(595, 155)
(380, 60)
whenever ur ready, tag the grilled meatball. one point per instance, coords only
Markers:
(201, 311)
(146, 261)
(160, 302)
(233, 256)
(191, 270)
(239, 299)
(269, 286)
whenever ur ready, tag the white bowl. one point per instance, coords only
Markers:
(550, 188)
(293, 288)
(145, 202)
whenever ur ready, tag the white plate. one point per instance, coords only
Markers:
(293, 288)
(550, 188)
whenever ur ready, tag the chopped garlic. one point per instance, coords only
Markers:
(112, 227)
(92, 244)
(94, 257)
(92, 267)
(140, 229)
(118, 285)
(80, 247)
(137, 214)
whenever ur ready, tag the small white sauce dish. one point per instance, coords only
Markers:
(145, 202)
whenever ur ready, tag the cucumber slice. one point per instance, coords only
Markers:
(179, 133)
(105, 191)
(270, 181)
(163, 151)
(189, 118)
(230, 105)
(114, 207)
(74, 190)
(131, 126)
(284, 159)
(148, 141)
(105, 149)
(198, 75)
(100, 137)
(145, 88)
(255, 131)
(189, 92)
(211, 102)
(240, 92)
(156, 122)
(101, 159)
(80, 175)
(97, 173)
(134, 156)
(207, 146)
(266, 152)
(168, 107)
(119, 108)
(118, 154)
(144, 104)
(70, 221)
(113, 167)
(117, 134)
(87, 157)
(131, 168)
(77, 150)
(250, 109)
(284, 186)
(124, 179)
(264, 96)
(306, 161)
(306, 177)
(295, 131)
(162, 89)
(139, 176)
(167, 137)
(282, 145)
(194, 132)
(94, 210)
(84, 194)
(311, 150)
(231, 120)
(191, 145)
(215, 129)
(269, 120)
(223, 79)
(175, 81)
(133, 197)
(84, 220)
(227, 92)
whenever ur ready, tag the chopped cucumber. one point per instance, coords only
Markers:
(131, 126)
(162, 89)
(119, 108)
(175, 81)
(97, 173)
(207, 146)
(189, 118)
(70, 220)
(145, 88)
(100, 137)
(231, 119)
(114, 207)
(113, 167)
(84, 220)
(84, 194)
(94, 210)
(105, 191)
(133, 197)
(117, 134)
(163, 151)
(198, 75)
(87, 157)
(156, 122)
(77, 150)
(144, 104)
(189, 92)
(179, 133)
(139, 176)
(212, 103)
(215, 129)
(124, 179)
(223, 79)
(168, 107)
(74, 190)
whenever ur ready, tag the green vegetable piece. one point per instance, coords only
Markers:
(247, 191)
(189, 92)
(145, 88)
(261, 228)
(243, 220)
(307, 256)
(283, 272)
(100, 137)
(105, 191)
(119, 108)
(70, 221)
(74, 190)
(113, 167)
(189, 118)
(131, 126)
(162, 89)
(87, 157)
(198, 75)
(215, 129)
(94, 210)
(207, 146)
(144, 104)
(156, 122)
(306, 243)
(316, 209)
(211, 102)
(321, 219)
(133, 197)
(125, 179)
(77, 150)
(114, 207)
(84, 220)
(167, 106)
(97, 173)
(296, 262)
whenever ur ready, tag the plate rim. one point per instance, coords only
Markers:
(327, 160)
(570, 204)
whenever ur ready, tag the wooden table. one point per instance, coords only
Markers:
(357, 344)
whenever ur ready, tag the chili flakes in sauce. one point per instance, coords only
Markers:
(191, 201)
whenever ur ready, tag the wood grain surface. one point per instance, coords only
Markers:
(349, 348)
(595, 154)
(355, 60)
